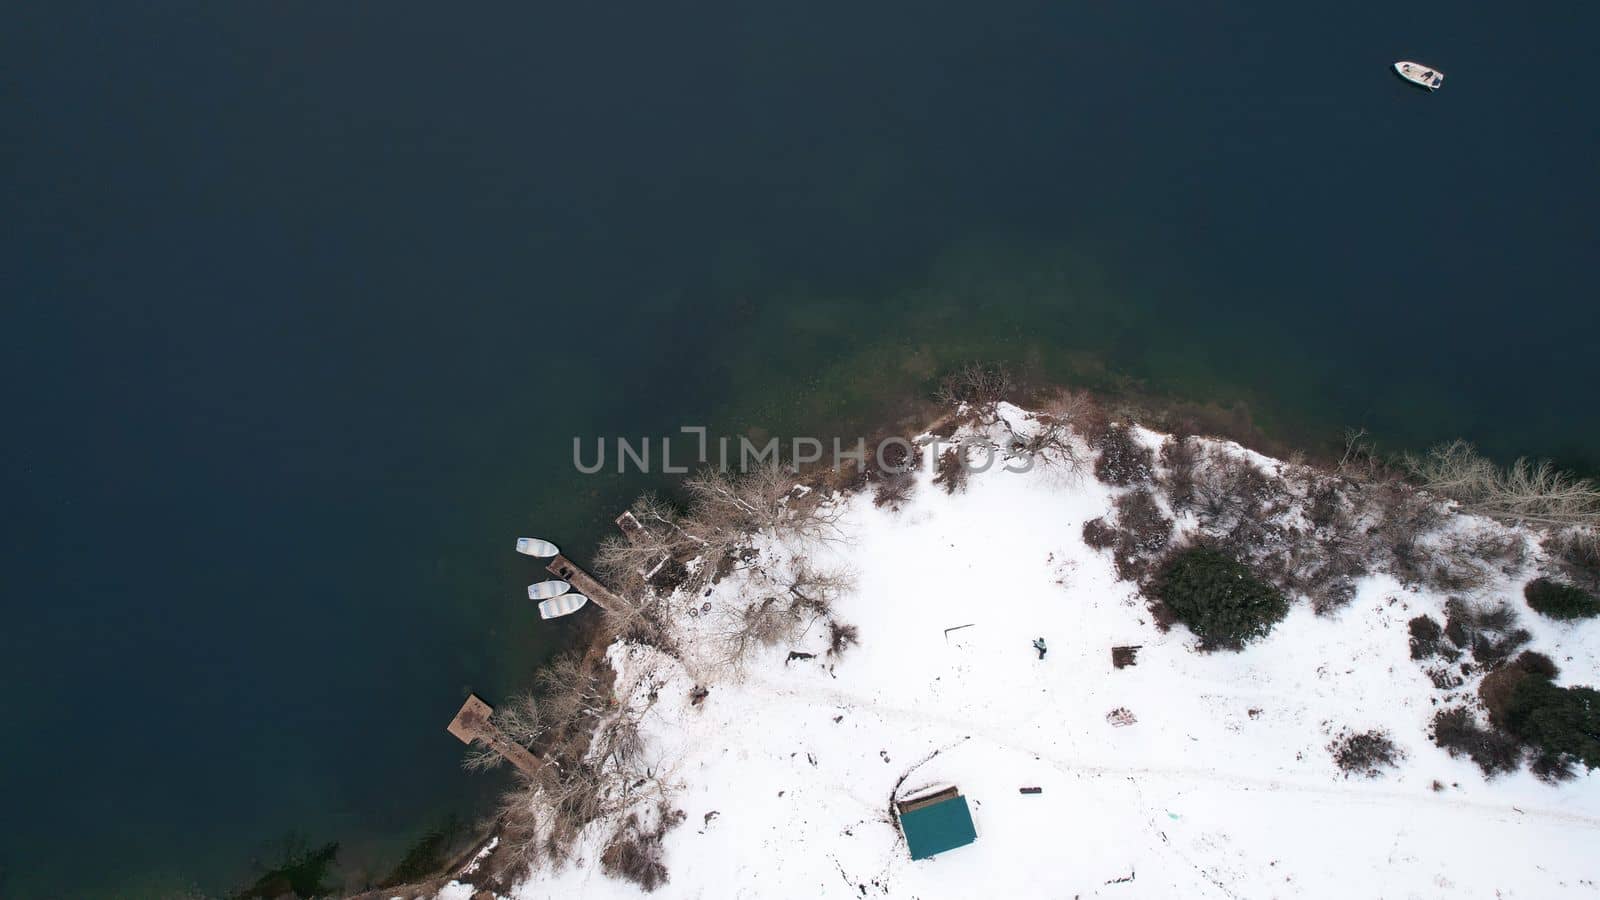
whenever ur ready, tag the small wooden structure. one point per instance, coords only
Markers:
(1123, 657)
(472, 724)
(587, 584)
(630, 527)
(936, 822)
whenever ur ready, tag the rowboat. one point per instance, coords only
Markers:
(536, 547)
(544, 590)
(564, 605)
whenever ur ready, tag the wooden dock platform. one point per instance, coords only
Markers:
(472, 724)
(587, 584)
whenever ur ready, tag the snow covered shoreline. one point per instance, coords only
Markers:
(1222, 786)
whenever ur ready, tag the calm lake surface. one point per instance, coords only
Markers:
(304, 304)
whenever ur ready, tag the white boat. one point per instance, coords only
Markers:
(544, 590)
(536, 547)
(564, 605)
(1419, 74)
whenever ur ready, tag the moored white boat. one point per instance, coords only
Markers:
(564, 605)
(1419, 74)
(544, 590)
(536, 547)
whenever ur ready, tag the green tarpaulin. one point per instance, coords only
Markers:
(934, 829)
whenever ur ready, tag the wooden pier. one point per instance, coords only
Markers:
(587, 584)
(472, 724)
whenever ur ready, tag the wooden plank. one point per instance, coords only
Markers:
(569, 571)
(917, 803)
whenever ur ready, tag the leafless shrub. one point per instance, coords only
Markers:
(1524, 492)
(1141, 532)
(660, 536)
(593, 763)
(1323, 572)
(951, 470)
(1124, 460)
(814, 589)
(1361, 460)
(1146, 529)
(799, 596)
(1576, 555)
(1506, 551)
(1446, 679)
(894, 490)
(640, 614)
(764, 623)
(1329, 507)
(1180, 456)
(1405, 519)
(979, 386)
(542, 816)
(1427, 640)
(573, 687)
(634, 852)
(730, 507)
(1078, 410)
(1365, 754)
(1487, 630)
(1098, 534)
(841, 637)
(1458, 732)
(1049, 444)
(1230, 490)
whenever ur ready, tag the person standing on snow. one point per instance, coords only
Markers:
(1038, 644)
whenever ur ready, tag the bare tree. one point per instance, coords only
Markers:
(1524, 492)
(978, 386)
(600, 772)
(1051, 442)
(572, 688)
(894, 490)
(521, 722)
(789, 600)
(729, 509)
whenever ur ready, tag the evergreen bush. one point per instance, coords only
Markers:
(1560, 601)
(1218, 597)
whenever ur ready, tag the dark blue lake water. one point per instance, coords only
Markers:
(304, 304)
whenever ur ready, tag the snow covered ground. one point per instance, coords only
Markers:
(1222, 787)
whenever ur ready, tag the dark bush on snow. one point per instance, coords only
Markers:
(951, 470)
(1535, 663)
(1218, 597)
(1560, 601)
(635, 855)
(894, 490)
(841, 637)
(1123, 459)
(1499, 685)
(1485, 630)
(1427, 639)
(1099, 535)
(1143, 531)
(1553, 768)
(1578, 555)
(1557, 720)
(1179, 457)
(1145, 528)
(1457, 731)
(1365, 754)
